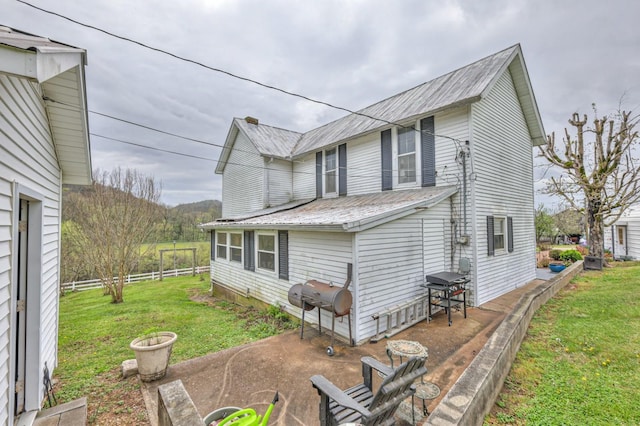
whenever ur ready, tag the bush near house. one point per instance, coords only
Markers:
(570, 256)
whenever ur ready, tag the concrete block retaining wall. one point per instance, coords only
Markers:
(475, 392)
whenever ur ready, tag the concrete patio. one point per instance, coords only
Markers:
(249, 375)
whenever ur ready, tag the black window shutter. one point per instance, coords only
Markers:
(342, 169)
(490, 246)
(510, 234)
(249, 256)
(283, 255)
(319, 174)
(387, 160)
(428, 151)
(213, 244)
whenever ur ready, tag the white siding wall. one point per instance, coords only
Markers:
(364, 165)
(364, 161)
(244, 166)
(304, 177)
(321, 256)
(633, 237)
(278, 181)
(27, 156)
(503, 162)
(392, 259)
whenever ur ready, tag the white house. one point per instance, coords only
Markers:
(44, 143)
(623, 237)
(400, 189)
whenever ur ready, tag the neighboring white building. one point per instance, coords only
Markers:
(44, 143)
(623, 237)
(400, 189)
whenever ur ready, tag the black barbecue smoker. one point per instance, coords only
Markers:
(324, 296)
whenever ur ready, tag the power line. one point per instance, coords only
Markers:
(228, 73)
(75, 108)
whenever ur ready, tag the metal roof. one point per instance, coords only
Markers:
(269, 141)
(460, 87)
(25, 41)
(59, 69)
(350, 214)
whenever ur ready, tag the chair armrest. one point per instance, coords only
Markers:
(376, 365)
(324, 386)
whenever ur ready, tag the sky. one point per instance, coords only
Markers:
(349, 53)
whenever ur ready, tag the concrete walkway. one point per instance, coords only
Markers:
(249, 375)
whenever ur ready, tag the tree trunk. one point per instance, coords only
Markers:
(596, 229)
(116, 291)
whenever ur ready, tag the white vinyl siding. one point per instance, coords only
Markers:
(393, 260)
(304, 177)
(503, 164)
(278, 182)
(28, 157)
(243, 179)
(312, 255)
(363, 166)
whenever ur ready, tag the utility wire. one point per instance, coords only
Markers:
(228, 73)
(75, 108)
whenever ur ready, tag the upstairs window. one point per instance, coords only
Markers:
(406, 155)
(330, 167)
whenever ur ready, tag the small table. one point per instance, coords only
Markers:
(405, 348)
(424, 391)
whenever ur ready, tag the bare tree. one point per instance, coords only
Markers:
(600, 177)
(114, 217)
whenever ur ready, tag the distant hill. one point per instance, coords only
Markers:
(205, 206)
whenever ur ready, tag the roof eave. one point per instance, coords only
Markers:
(227, 148)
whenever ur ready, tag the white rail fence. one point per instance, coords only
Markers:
(133, 278)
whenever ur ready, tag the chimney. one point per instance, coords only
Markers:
(251, 120)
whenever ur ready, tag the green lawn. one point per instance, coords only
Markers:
(580, 362)
(94, 334)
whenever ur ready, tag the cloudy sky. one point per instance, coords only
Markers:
(350, 53)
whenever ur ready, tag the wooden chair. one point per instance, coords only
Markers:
(359, 404)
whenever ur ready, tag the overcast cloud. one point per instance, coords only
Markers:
(348, 53)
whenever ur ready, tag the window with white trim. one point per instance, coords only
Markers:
(406, 155)
(499, 233)
(266, 252)
(235, 247)
(330, 167)
(221, 246)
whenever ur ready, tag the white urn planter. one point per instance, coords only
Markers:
(152, 354)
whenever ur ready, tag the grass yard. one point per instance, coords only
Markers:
(580, 361)
(94, 338)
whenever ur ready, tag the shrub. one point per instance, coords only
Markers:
(570, 256)
(582, 250)
(543, 263)
(555, 254)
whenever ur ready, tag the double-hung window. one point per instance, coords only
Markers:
(406, 155)
(499, 233)
(331, 167)
(267, 252)
(221, 246)
(235, 247)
